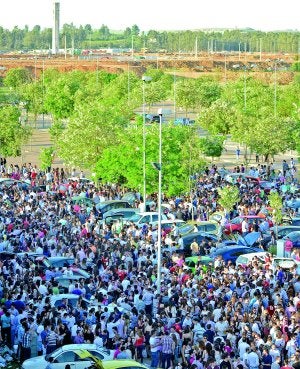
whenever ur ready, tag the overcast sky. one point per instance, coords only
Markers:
(265, 15)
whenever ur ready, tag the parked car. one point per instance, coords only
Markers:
(203, 226)
(120, 213)
(166, 225)
(204, 262)
(63, 281)
(9, 182)
(235, 224)
(68, 354)
(231, 253)
(246, 259)
(286, 263)
(147, 217)
(82, 200)
(207, 226)
(288, 220)
(199, 237)
(45, 262)
(280, 231)
(105, 206)
(294, 237)
(63, 299)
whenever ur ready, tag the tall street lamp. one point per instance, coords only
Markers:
(145, 79)
(159, 203)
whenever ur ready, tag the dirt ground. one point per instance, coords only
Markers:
(184, 65)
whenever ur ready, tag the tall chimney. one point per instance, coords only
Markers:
(55, 29)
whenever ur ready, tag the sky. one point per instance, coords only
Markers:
(265, 15)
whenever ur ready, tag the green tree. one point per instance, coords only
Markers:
(56, 130)
(12, 134)
(266, 136)
(46, 157)
(208, 91)
(186, 94)
(122, 161)
(228, 197)
(92, 128)
(218, 118)
(17, 77)
(212, 146)
(275, 202)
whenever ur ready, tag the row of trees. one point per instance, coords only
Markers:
(95, 127)
(173, 41)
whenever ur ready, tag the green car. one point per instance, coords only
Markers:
(109, 364)
(205, 262)
(80, 200)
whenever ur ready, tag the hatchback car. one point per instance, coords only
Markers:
(231, 253)
(68, 354)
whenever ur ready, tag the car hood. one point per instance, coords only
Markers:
(249, 239)
(35, 362)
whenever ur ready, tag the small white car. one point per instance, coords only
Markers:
(147, 217)
(67, 355)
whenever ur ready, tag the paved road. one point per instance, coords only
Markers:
(41, 138)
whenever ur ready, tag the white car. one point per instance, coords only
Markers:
(246, 259)
(147, 217)
(67, 355)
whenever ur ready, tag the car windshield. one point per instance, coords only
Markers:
(186, 228)
(243, 259)
(236, 220)
(134, 218)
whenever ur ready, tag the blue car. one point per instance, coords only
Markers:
(231, 253)
(294, 237)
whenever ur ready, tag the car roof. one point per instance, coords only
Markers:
(167, 221)
(232, 247)
(196, 234)
(279, 228)
(70, 277)
(84, 346)
(296, 233)
(252, 254)
(202, 222)
(111, 202)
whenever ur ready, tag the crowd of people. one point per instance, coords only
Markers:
(222, 316)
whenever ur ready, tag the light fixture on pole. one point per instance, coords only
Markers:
(159, 203)
(145, 79)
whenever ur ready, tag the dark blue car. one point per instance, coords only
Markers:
(231, 253)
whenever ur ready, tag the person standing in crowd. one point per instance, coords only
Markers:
(25, 344)
(167, 350)
(155, 349)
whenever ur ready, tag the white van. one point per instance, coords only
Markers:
(246, 259)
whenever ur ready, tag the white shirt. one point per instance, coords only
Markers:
(253, 360)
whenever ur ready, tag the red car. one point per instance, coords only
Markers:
(235, 225)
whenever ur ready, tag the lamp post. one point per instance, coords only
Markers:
(144, 79)
(159, 203)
